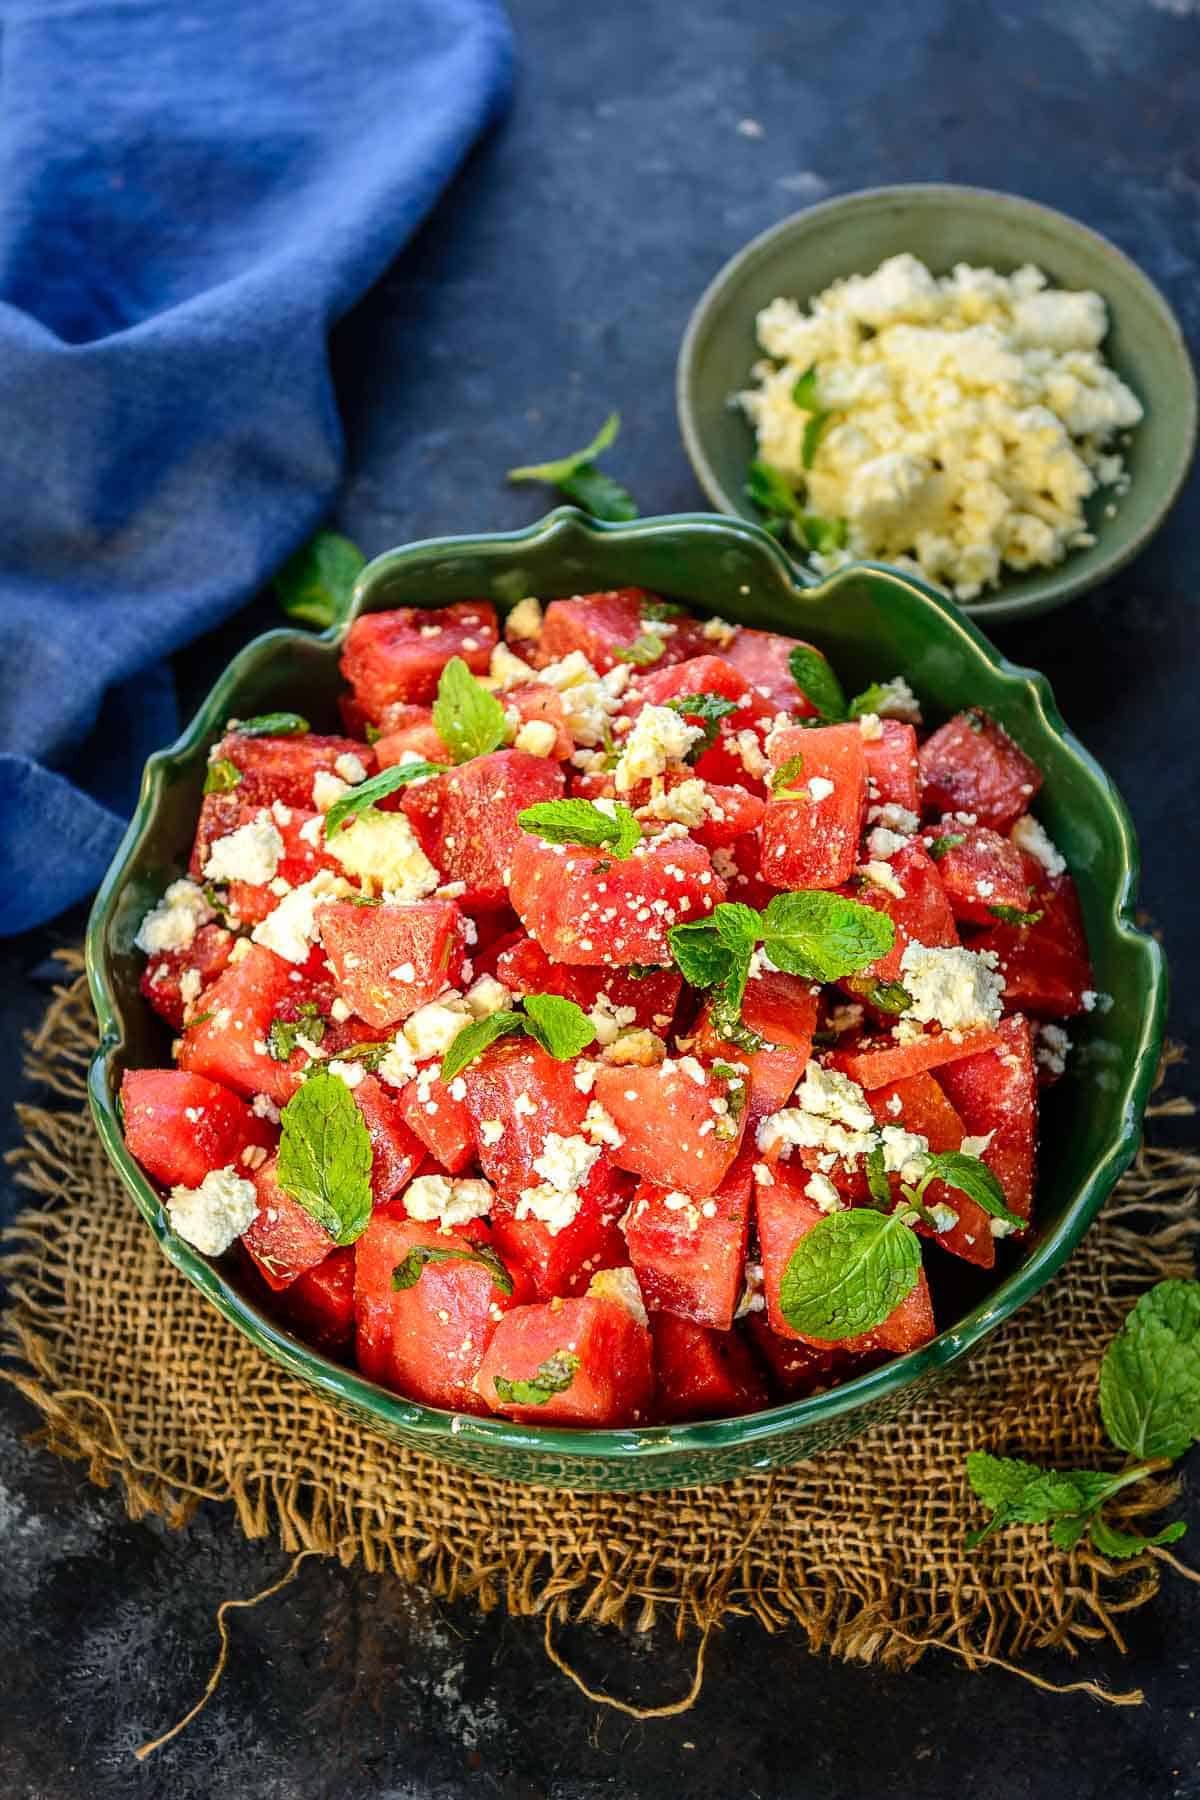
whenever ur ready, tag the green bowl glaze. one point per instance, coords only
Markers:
(944, 225)
(873, 623)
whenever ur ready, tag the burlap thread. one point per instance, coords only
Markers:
(861, 1549)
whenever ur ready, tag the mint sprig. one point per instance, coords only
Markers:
(377, 787)
(784, 516)
(222, 776)
(554, 1376)
(410, 1269)
(1150, 1406)
(309, 1023)
(849, 1273)
(706, 710)
(815, 677)
(469, 720)
(276, 724)
(579, 479)
(1014, 915)
(325, 1156)
(584, 822)
(817, 935)
(949, 840)
(561, 1027)
(805, 396)
(315, 584)
(646, 648)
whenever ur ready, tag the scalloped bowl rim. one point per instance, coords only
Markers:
(1057, 586)
(419, 1422)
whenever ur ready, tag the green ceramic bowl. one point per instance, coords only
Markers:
(946, 225)
(872, 623)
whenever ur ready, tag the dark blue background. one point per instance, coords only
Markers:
(553, 283)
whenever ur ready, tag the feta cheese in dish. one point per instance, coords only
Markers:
(957, 989)
(964, 420)
(214, 1215)
(250, 853)
(174, 922)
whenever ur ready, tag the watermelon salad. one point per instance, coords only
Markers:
(616, 1024)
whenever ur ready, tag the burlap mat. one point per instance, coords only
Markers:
(861, 1548)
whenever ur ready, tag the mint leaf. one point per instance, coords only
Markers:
(805, 395)
(700, 956)
(824, 936)
(877, 1181)
(560, 1026)
(576, 476)
(376, 788)
(950, 840)
(1111, 1540)
(309, 1023)
(886, 996)
(325, 1156)
(475, 1038)
(971, 1176)
(1023, 1493)
(804, 390)
(276, 724)
(813, 433)
(222, 776)
(370, 1054)
(816, 680)
(645, 649)
(783, 515)
(583, 822)
(469, 720)
(408, 1272)
(707, 710)
(554, 1376)
(819, 535)
(315, 585)
(663, 609)
(848, 1274)
(869, 701)
(1150, 1376)
(784, 775)
(1012, 915)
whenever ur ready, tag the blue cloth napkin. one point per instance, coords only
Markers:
(191, 193)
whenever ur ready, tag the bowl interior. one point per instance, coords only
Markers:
(873, 623)
(943, 226)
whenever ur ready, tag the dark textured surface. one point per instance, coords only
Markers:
(552, 284)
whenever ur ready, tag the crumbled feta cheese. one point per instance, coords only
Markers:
(211, 1216)
(601, 1128)
(293, 927)
(871, 727)
(383, 850)
(882, 875)
(955, 988)
(719, 631)
(250, 854)
(818, 1187)
(829, 1112)
(905, 1153)
(975, 1146)
(351, 768)
(446, 1200)
(399, 1066)
(433, 1028)
(537, 737)
(883, 843)
(349, 1072)
(621, 1286)
(1052, 1048)
(1029, 835)
(820, 788)
(608, 1021)
(564, 1165)
(971, 417)
(404, 972)
(896, 819)
(507, 671)
(659, 738)
(491, 1131)
(487, 996)
(525, 619)
(688, 804)
(636, 1049)
(174, 922)
(327, 790)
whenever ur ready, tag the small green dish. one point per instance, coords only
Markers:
(944, 225)
(873, 623)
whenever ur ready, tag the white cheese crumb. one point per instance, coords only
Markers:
(349, 1072)
(491, 1131)
(383, 850)
(818, 1187)
(447, 1201)
(211, 1216)
(564, 1165)
(351, 768)
(659, 738)
(433, 1028)
(871, 726)
(537, 737)
(174, 922)
(820, 788)
(292, 928)
(327, 790)
(955, 988)
(525, 619)
(1029, 835)
(601, 1127)
(250, 854)
(623, 1287)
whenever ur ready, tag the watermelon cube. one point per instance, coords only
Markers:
(182, 1126)
(284, 1241)
(584, 906)
(600, 625)
(1046, 966)
(585, 1361)
(893, 772)
(690, 1253)
(971, 765)
(921, 914)
(918, 1104)
(283, 768)
(763, 658)
(319, 1305)
(467, 819)
(982, 872)
(434, 1114)
(703, 1374)
(400, 655)
(396, 1152)
(812, 825)
(996, 1091)
(680, 1124)
(174, 980)
(563, 1261)
(389, 960)
(517, 1095)
(228, 1041)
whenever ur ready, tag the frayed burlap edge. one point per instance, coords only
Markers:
(1150, 1230)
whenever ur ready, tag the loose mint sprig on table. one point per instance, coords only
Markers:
(579, 479)
(315, 584)
(1149, 1397)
